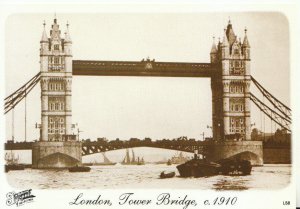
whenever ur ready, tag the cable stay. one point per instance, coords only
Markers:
(281, 120)
(12, 100)
(285, 110)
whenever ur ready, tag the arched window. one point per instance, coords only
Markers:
(56, 60)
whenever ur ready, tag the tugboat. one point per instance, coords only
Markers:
(202, 167)
(198, 168)
(79, 169)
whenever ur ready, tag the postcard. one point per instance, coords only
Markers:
(149, 106)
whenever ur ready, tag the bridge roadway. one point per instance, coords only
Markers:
(93, 147)
(143, 68)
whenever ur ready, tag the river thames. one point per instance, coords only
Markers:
(119, 176)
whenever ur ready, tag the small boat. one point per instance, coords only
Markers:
(79, 169)
(164, 175)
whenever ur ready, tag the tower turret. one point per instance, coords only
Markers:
(68, 42)
(246, 46)
(225, 47)
(230, 33)
(213, 52)
(44, 42)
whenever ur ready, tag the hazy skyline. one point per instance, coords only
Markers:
(141, 107)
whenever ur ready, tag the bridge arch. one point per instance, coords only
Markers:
(57, 160)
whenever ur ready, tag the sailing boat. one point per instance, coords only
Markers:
(126, 160)
(132, 161)
(12, 162)
(106, 160)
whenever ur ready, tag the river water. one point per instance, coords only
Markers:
(147, 176)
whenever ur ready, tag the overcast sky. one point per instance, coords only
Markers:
(141, 107)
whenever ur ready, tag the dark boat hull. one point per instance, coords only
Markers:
(198, 168)
(14, 167)
(202, 168)
(79, 169)
(167, 175)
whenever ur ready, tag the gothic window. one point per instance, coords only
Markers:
(56, 86)
(56, 47)
(56, 125)
(56, 60)
(56, 103)
(236, 67)
(236, 105)
(237, 64)
(236, 51)
(237, 125)
(236, 88)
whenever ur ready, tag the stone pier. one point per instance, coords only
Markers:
(56, 154)
(246, 150)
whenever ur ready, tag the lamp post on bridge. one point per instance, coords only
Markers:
(210, 128)
(202, 135)
(38, 126)
(78, 131)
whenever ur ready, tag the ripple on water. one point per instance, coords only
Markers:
(147, 177)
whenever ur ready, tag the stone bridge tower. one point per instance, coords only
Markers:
(231, 99)
(231, 87)
(58, 146)
(56, 85)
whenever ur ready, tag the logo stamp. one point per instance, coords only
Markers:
(19, 198)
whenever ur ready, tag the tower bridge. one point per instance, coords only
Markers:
(229, 70)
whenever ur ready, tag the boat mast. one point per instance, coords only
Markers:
(127, 156)
(133, 157)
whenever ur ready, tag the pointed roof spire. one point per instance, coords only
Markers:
(67, 34)
(225, 40)
(230, 33)
(55, 32)
(246, 42)
(213, 47)
(44, 36)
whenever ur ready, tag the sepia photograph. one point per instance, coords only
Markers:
(187, 101)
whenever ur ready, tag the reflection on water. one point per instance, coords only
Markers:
(147, 176)
(231, 184)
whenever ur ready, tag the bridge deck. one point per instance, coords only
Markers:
(142, 68)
